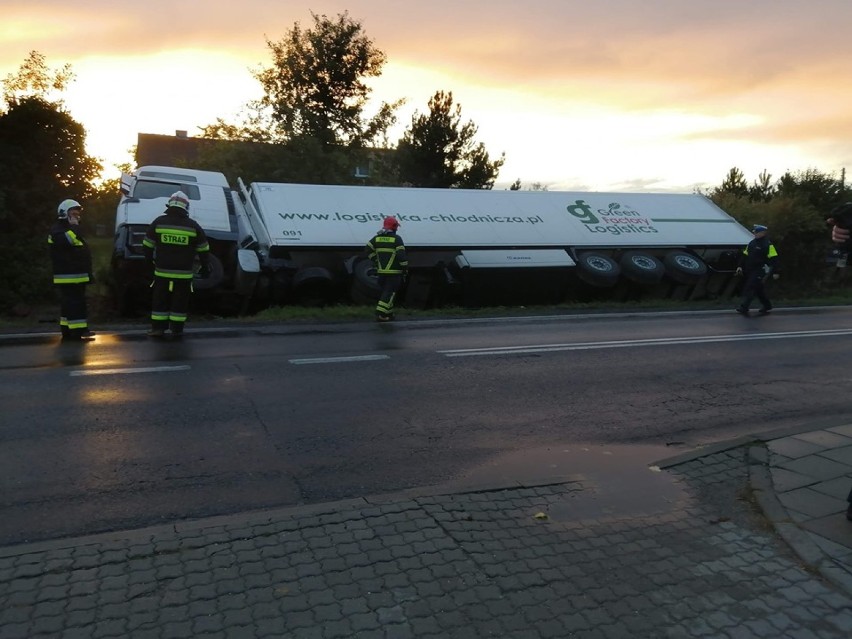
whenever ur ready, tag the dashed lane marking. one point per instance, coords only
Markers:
(334, 360)
(129, 371)
(662, 341)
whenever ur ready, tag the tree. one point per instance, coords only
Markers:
(794, 208)
(734, 184)
(439, 151)
(821, 190)
(42, 161)
(313, 109)
(315, 87)
(35, 79)
(762, 189)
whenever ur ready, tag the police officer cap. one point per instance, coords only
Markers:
(757, 228)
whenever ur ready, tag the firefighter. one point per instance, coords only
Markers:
(387, 251)
(758, 260)
(171, 244)
(72, 271)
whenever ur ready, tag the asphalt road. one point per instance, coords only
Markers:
(125, 432)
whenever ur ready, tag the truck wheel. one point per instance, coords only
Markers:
(642, 268)
(313, 286)
(217, 274)
(597, 269)
(364, 277)
(684, 267)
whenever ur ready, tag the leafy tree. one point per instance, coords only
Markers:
(35, 79)
(438, 150)
(794, 208)
(516, 185)
(315, 87)
(42, 161)
(313, 110)
(820, 190)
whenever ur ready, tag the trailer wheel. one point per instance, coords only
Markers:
(365, 277)
(597, 269)
(642, 268)
(684, 267)
(217, 275)
(313, 286)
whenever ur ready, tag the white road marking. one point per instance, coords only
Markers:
(128, 371)
(661, 341)
(333, 360)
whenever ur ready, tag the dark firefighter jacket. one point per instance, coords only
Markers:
(172, 242)
(759, 251)
(387, 251)
(69, 254)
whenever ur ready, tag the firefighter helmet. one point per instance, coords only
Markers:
(178, 199)
(390, 224)
(65, 206)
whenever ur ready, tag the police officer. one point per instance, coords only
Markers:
(72, 270)
(759, 259)
(387, 251)
(171, 244)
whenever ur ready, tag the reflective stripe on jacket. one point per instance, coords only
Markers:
(759, 252)
(387, 251)
(172, 241)
(69, 254)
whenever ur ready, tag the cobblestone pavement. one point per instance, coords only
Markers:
(499, 563)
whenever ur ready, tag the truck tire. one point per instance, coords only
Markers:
(597, 269)
(683, 267)
(313, 286)
(641, 267)
(217, 274)
(365, 278)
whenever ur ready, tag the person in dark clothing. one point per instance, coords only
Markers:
(759, 259)
(171, 244)
(72, 271)
(387, 251)
(841, 235)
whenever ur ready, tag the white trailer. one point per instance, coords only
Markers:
(479, 245)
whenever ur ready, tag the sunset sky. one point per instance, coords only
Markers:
(611, 95)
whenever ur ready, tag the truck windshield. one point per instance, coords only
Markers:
(145, 190)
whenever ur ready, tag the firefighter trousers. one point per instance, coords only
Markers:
(170, 303)
(73, 313)
(390, 285)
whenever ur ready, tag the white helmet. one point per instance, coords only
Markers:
(65, 206)
(178, 199)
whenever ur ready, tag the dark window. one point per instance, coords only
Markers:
(149, 190)
(168, 176)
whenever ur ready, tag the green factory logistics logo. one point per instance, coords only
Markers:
(614, 220)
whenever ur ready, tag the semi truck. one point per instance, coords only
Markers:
(281, 243)
(144, 194)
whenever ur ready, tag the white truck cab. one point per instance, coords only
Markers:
(144, 194)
